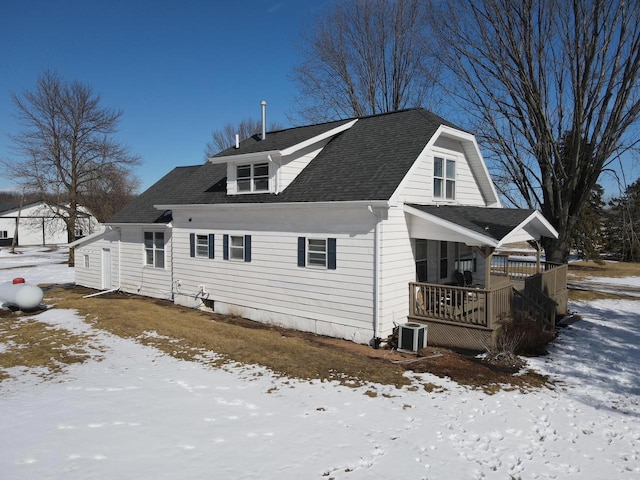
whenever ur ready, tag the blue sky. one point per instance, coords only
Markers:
(178, 69)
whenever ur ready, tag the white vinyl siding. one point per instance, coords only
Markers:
(128, 269)
(272, 288)
(397, 269)
(419, 187)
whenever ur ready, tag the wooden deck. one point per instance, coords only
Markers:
(467, 317)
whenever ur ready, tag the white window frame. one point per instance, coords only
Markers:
(236, 252)
(4, 233)
(252, 179)
(156, 249)
(446, 179)
(86, 261)
(202, 249)
(317, 252)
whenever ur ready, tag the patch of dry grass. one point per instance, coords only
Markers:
(581, 270)
(584, 269)
(591, 295)
(32, 344)
(218, 340)
(189, 334)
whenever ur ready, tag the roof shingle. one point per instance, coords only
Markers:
(365, 162)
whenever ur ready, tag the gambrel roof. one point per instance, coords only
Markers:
(365, 162)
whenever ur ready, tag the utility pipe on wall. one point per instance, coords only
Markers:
(376, 277)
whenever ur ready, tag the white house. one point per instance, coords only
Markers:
(322, 228)
(38, 224)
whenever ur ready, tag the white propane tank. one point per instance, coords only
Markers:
(19, 294)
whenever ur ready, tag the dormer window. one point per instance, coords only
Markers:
(444, 178)
(252, 177)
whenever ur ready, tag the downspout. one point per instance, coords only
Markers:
(375, 341)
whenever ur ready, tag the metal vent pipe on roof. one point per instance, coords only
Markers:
(263, 103)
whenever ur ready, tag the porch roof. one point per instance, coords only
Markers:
(477, 226)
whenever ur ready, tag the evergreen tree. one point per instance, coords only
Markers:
(622, 236)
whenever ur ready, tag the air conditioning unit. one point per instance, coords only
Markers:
(412, 337)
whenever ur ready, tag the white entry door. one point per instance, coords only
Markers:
(106, 268)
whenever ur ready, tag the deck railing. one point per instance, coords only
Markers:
(462, 305)
(542, 298)
(518, 269)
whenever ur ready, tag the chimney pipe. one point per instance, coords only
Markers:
(263, 103)
(237, 140)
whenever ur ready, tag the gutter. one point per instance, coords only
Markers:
(337, 204)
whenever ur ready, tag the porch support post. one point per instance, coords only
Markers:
(487, 254)
(487, 267)
(536, 244)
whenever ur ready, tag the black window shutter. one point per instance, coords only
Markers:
(225, 247)
(302, 243)
(331, 253)
(212, 253)
(247, 248)
(192, 244)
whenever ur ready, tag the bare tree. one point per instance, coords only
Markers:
(111, 192)
(366, 57)
(65, 146)
(226, 137)
(554, 87)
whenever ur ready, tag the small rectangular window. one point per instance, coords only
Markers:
(317, 252)
(444, 178)
(4, 234)
(86, 261)
(236, 248)
(154, 249)
(253, 177)
(202, 245)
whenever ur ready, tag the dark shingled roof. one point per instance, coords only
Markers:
(280, 139)
(496, 223)
(366, 162)
(141, 210)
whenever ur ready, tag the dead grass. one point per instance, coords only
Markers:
(582, 269)
(218, 340)
(32, 344)
(591, 295)
(190, 334)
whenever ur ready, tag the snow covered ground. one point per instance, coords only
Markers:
(134, 412)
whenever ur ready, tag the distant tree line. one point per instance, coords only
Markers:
(609, 229)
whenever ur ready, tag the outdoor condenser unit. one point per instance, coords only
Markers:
(412, 337)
